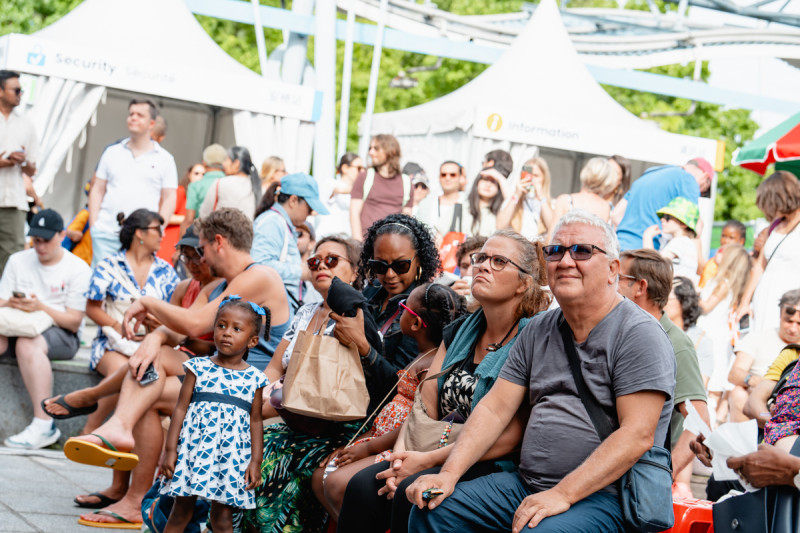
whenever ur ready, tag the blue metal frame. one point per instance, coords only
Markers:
(271, 17)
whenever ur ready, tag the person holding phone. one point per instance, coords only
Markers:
(19, 151)
(45, 278)
(529, 210)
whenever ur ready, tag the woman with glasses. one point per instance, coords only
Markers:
(290, 456)
(132, 272)
(507, 277)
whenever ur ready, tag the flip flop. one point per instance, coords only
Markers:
(104, 501)
(71, 410)
(122, 524)
(87, 453)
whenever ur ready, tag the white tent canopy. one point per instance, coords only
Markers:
(538, 97)
(112, 50)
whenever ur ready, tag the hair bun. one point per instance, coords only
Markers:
(121, 218)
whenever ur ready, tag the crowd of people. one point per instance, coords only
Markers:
(460, 304)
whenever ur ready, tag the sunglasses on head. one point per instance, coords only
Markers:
(497, 262)
(790, 311)
(400, 266)
(402, 303)
(578, 252)
(330, 261)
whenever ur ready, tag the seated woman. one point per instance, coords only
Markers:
(429, 309)
(507, 277)
(399, 252)
(134, 271)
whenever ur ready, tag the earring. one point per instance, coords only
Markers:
(141, 241)
(419, 273)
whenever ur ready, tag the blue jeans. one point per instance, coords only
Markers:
(488, 503)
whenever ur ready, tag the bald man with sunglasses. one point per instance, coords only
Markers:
(567, 473)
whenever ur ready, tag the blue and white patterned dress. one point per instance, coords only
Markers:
(214, 447)
(161, 282)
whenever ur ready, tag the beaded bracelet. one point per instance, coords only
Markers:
(445, 435)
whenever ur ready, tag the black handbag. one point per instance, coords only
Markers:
(645, 491)
(774, 509)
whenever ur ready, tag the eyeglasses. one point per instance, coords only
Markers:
(790, 311)
(402, 303)
(186, 259)
(448, 174)
(330, 261)
(626, 276)
(497, 262)
(578, 252)
(18, 91)
(201, 250)
(401, 266)
(668, 217)
(147, 228)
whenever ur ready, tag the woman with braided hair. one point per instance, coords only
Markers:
(426, 313)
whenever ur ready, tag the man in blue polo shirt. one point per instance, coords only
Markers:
(652, 191)
(132, 174)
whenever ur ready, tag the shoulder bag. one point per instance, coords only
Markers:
(451, 241)
(646, 489)
(423, 433)
(17, 323)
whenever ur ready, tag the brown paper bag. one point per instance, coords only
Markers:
(325, 379)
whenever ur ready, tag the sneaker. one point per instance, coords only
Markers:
(30, 439)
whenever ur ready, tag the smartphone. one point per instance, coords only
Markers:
(744, 323)
(150, 375)
(18, 294)
(431, 493)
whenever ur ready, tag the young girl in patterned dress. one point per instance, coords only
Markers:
(214, 443)
(427, 311)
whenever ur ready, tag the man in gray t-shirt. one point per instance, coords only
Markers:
(566, 476)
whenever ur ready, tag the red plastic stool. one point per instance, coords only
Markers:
(692, 516)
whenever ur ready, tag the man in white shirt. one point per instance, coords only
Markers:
(45, 278)
(132, 174)
(19, 150)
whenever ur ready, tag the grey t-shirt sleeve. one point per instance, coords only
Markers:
(643, 361)
(516, 369)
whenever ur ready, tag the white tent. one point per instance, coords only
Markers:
(538, 97)
(108, 51)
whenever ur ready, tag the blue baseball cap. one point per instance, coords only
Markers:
(305, 187)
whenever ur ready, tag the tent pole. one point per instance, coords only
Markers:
(347, 71)
(260, 44)
(325, 66)
(373, 79)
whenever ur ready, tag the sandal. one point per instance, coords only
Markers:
(88, 453)
(122, 524)
(104, 501)
(71, 410)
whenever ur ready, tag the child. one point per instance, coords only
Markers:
(218, 416)
(679, 219)
(718, 302)
(427, 311)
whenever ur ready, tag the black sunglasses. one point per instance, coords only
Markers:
(330, 261)
(578, 252)
(790, 311)
(668, 217)
(400, 266)
(497, 262)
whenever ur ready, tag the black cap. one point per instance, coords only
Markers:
(189, 239)
(45, 224)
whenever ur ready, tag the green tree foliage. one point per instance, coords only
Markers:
(736, 192)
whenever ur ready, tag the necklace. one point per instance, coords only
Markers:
(494, 346)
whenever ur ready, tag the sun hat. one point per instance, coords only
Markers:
(682, 209)
(305, 187)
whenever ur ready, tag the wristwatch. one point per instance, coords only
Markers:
(796, 480)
